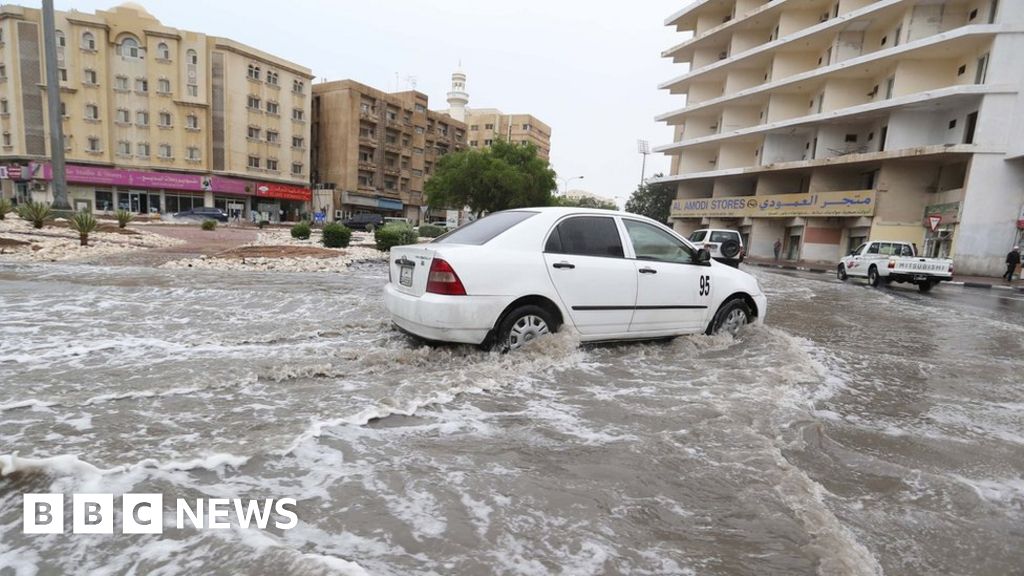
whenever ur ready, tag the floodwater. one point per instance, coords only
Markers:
(860, 431)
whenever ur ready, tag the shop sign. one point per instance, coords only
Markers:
(855, 203)
(10, 172)
(388, 204)
(284, 191)
(948, 213)
(143, 179)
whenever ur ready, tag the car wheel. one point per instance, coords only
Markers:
(522, 325)
(873, 278)
(732, 316)
(926, 286)
(841, 273)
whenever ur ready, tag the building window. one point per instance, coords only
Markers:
(3, 72)
(92, 112)
(273, 108)
(298, 86)
(129, 48)
(141, 85)
(94, 144)
(90, 77)
(193, 90)
(473, 143)
(7, 138)
(420, 108)
(121, 83)
(61, 40)
(420, 130)
(163, 86)
(272, 137)
(272, 164)
(193, 153)
(124, 148)
(488, 142)
(88, 41)
(254, 72)
(298, 142)
(142, 149)
(163, 52)
(254, 133)
(104, 200)
(488, 126)
(253, 102)
(166, 152)
(192, 57)
(474, 127)
(62, 73)
(3, 106)
(142, 118)
(165, 119)
(123, 116)
(890, 87)
(192, 122)
(296, 168)
(298, 114)
(254, 161)
(271, 78)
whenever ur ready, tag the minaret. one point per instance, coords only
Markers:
(458, 98)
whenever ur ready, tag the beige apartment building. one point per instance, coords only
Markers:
(488, 124)
(374, 150)
(825, 123)
(155, 119)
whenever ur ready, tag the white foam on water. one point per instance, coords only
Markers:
(71, 465)
(1004, 493)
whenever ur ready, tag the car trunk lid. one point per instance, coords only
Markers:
(410, 267)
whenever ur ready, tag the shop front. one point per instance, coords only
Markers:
(940, 222)
(283, 202)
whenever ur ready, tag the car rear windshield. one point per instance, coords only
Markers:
(724, 236)
(485, 229)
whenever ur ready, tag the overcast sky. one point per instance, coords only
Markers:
(587, 68)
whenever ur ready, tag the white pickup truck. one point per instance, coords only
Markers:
(884, 262)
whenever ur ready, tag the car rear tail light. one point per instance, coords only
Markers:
(950, 267)
(443, 279)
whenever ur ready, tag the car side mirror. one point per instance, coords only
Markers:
(703, 256)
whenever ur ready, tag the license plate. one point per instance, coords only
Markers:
(405, 276)
(920, 278)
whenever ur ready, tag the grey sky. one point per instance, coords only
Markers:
(589, 69)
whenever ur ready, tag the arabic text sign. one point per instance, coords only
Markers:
(856, 203)
(103, 176)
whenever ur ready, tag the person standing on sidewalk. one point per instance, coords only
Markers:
(777, 247)
(1012, 260)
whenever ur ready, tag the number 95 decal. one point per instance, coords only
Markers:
(705, 285)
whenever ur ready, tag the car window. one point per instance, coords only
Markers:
(698, 236)
(586, 236)
(725, 236)
(904, 250)
(653, 243)
(859, 249)
(484, 230)
(873, 249)
(885, 249)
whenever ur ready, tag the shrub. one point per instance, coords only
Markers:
(5, 207)
(430, 231)
(392, 235)
(336, 235)
(301, 231)
(123, 217)
(35, 212)
(83, 223)
(209, 225)
(263, 223)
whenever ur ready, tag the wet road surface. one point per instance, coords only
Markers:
(860, 431)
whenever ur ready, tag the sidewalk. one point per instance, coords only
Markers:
(986, 282)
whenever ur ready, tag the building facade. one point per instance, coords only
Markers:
(825, 123)
(155, 119)
(374, 150)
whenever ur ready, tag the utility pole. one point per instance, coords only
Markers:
(59, 182)
(644, 147)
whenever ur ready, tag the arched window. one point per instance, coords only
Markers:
(163, 51)
(193, 58)
(61, 41)
(88, 41)
(130, 48)
(254, 72)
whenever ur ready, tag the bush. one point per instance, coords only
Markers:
(430, 231)
(5, 207)
(83, 223)
(391, 235)
(35, 212)
(209, 225)
(123, 218)
(301, 231)
(336, 235)
(263, 223)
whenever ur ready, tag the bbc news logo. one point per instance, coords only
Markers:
(144, 513)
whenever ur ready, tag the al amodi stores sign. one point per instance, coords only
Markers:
(857, 203)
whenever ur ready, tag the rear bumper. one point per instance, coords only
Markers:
(462, 319)
(916, 277)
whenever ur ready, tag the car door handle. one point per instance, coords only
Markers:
(565, 265)
(648, 271)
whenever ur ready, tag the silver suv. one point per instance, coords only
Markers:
(726, 246)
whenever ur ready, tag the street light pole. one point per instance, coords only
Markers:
(59, 182)
(644, 147)
(565, 183)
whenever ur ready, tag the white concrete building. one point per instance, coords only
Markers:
(824, 123)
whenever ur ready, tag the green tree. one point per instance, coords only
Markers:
(585, 202)
(653, 200)
(501, 177)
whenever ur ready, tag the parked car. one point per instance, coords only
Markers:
(203, 213)
(884, 262)
(365, 221)
(444, 224)
(517, 275)
(726, 246)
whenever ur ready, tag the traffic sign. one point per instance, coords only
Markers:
(934, 221)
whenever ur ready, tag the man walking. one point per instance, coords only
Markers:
(778, 248)
(1012, 260)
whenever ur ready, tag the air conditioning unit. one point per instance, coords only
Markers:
(338, 215)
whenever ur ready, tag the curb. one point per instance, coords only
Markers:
(962, 284)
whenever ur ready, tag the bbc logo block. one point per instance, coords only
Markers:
(92, 514)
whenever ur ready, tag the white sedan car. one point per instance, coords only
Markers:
(516, 275)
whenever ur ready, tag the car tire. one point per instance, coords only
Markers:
(841, 273)
(522, 325)
(731, 316)
(926, 286)
(873, 278)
